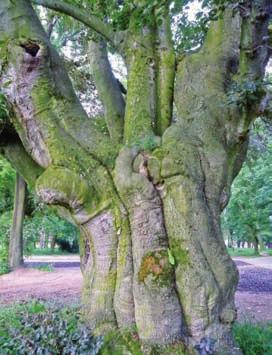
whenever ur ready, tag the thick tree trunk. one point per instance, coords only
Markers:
(152, 251)
(16, 234)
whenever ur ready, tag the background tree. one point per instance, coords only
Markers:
(248, 213)
(147, 193)
(16, 233)
(7, 178)
(56, 232)
(38, 219)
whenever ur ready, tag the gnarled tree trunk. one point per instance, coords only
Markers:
(152, 252)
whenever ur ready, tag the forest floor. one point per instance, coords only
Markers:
(62, 284)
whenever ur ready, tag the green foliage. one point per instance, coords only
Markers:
(46, 223)
(10, 317)
(5, 222)
(119, 12)
(37, 328)
(46, 268)
(49, 251)
(39, 220)
(247, 252)
(254, 339)
(171, 258)
(189, 33)
(127, 342)
(249, 211)
(120, 343)
(7, 182)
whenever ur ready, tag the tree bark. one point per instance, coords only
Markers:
(147, 196)
(16, 234)
(108, 89)
(261, 242)
(256, 244)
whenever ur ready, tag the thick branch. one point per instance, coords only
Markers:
(108, 89)
(254, 44)
(81, 15)
(140, 115)
(21, 162)
(44, 92)
(165, 58)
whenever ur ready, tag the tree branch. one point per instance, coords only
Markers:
(87, 19)
(20, 160)
(108, 89)
(255, 41)
(51, 99)
(51, 26)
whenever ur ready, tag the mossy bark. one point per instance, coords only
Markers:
(152, 252)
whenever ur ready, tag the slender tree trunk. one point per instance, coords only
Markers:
(261, 242)
(256, 245)
(16, 234)
(53, 242)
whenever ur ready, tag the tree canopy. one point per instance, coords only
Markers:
(248, 214)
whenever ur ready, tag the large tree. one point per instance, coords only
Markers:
(147, 195)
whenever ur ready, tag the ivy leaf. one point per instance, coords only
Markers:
(171, 258)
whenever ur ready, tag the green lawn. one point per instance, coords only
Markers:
(249, 252)
(254, 339)
(48, 251)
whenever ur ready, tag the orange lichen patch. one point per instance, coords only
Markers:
(157, 265)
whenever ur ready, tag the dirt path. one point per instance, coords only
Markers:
(53, 260)
(63, 285)
(254, 295)
(261, 261)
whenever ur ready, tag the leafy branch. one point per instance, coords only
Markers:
(81, 15)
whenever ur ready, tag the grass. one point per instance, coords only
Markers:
(46, 268)
(48, 251)
(254, 339)
(247, 252)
